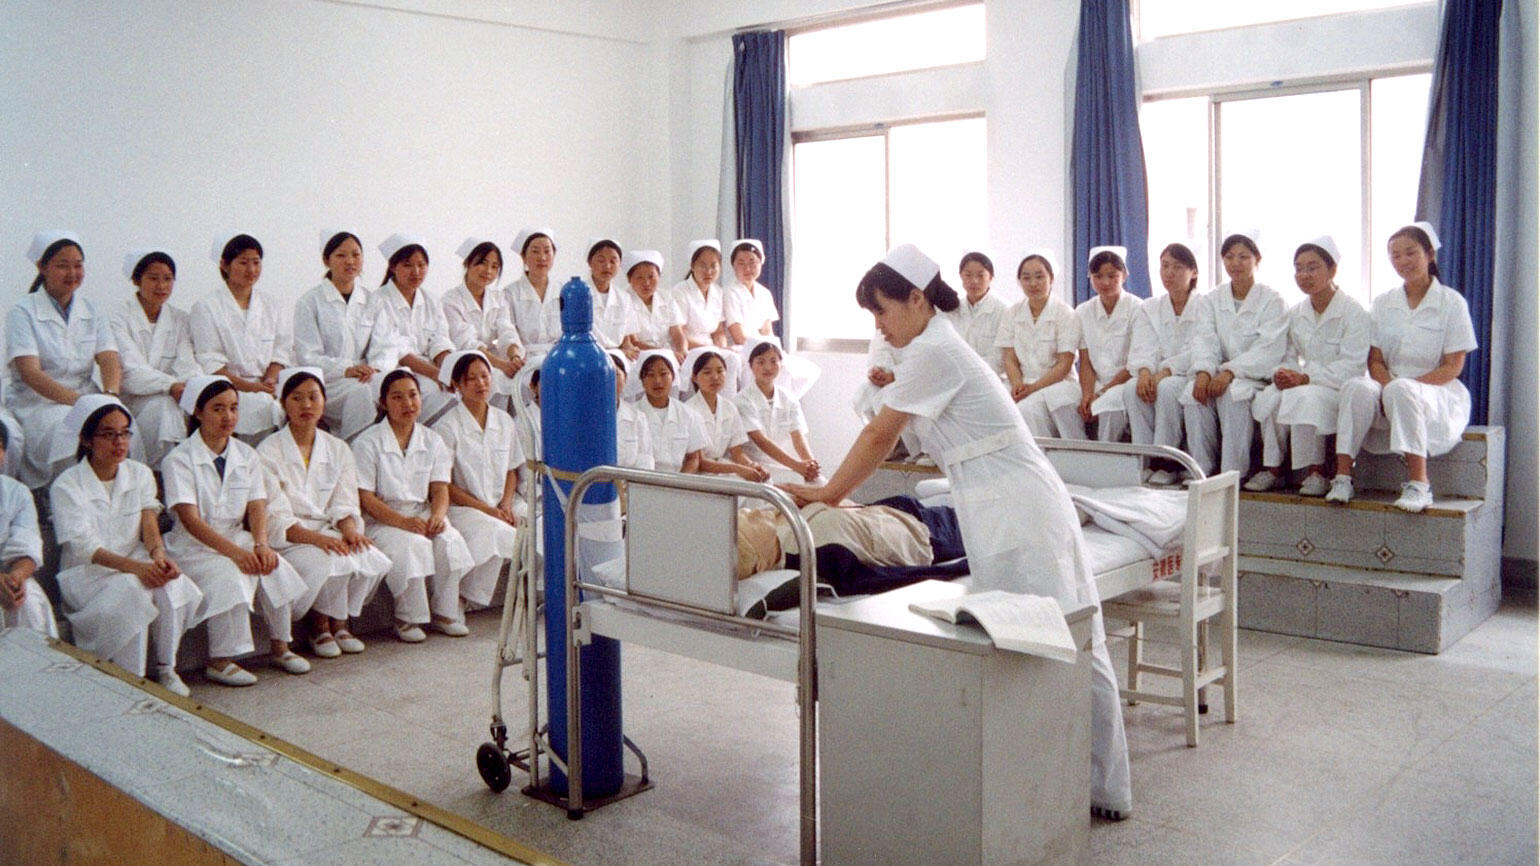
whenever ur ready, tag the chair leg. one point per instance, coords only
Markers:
(1190, 682)
(1135, 658)
(1203, 665)
(1230, 641)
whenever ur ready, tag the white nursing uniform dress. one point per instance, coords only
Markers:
(154, 357)
(191, 477)
(19, 538)
(777, 417)
(246, 341)
(66, 349)
(489, 324)
(614, 316)
(1038, 343)
(417, 329)
(655, 320)
(1162, 340)
(633, 437)
(752, 308)
(979, 325)
(319, 496)
(1106, 338)
(401, 479)
(16, 447)
(676, 430)
(537, 319)
(334, 333)
(1017, 522)
(112, 613)
(1407, 416)
(1330, 348)
(1246, 338)
(483, 457)
(724, 427)
(704, 312)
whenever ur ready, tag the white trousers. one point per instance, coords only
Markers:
(230, 631)
(1053, 411)
(160, 425)
(1423, 420)
(34, 612)
(1220, 432)
(165, 634)
(349, 406)
(1158, 423)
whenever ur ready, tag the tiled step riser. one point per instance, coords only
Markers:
(1462, 473)
(1361, 538)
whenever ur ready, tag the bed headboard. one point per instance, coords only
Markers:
(690, 558)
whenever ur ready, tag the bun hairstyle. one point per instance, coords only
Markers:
(1182, 254)
(53, 249)
(1107, 257)
(1412, 232)
(155, 258)
(1318, 250)
(982, 260)
(212, 390)
(234, 247)
(400, 256)
(93, 421)
(333, 243)
(887, 282)
(1244, 241)
(462, 367)
(763, 347)
(479, 253)
(1047, 265)
(392, 378)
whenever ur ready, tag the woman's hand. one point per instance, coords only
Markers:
(166, 564)
(332, 544)
(751, 472)
(879, 377)
(356, 541)
(416, 526)
(1219, 384)
(1022, 391)
(1148, 387)
(437, 523)
(1200, 385)
(805, 494)
(12, 591)
(1086, 399)
(247, 561)
(361, 372)
(808, 469)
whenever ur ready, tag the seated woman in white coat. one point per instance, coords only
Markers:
(1160, 357)
(1106, 329)
(55, 340)
(699, 297)
(533, 301)
(120, 588)
(409, 326)
(239, 333)
(320, 529)
(678, 433)
(333, 325)
(1328, 344)
(484, 503)
(659, 324)
(614, 316)
(23, 604)
(155, 348)
(1412, 402)
(775, 424)
(1240, 337)
(1037, 341)
(977, 318)
(479, 318)
(403, 484)
(750, 310)
(633, 438)
(216, 487)
(725, 433)
(1000, 479)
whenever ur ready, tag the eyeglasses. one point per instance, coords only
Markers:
(114, 435)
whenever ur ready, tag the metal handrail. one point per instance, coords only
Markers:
(1124, 449)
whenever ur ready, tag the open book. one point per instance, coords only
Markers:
(1031, 624)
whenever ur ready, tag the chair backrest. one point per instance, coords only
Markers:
(1211, 510)
(689, 558)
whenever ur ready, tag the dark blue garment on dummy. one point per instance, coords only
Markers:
(841, 569)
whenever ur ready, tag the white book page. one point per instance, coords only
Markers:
(1030, 624)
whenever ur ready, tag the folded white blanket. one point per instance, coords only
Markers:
(1152, 518)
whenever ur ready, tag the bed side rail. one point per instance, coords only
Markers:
(1094, 471)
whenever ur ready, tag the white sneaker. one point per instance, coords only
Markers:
(168, 679)
(290, 661)
(1314, 485)
(1262, 481)
(1341, 489)
(231, 674)
(453, 629)
(1162, 478)
(1415, 496)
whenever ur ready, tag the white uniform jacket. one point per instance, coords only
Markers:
(1414, 341)
(154, 357)
(676, 430)
(653, 322)
(979, 325)
(1163, 340)
(246, 341)
(724, 427)
(400, 330)
(537, 320)
(777, 417)
(1038, 342)
(401, 478)
(473, 325)
(633, 438)
(749, 306)
(66, 350)
(1246, 337)
(614, 316)
(703, 312)
(481, 457)
(331, 333)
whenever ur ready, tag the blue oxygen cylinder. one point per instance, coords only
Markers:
(577, 411)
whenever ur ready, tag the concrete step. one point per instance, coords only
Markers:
(1473, 470)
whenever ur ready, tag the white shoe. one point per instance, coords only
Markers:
(1314, 485)
(325, 646)
(231, 674)
(168, 679)
(1341, 489)
(291, 662)
(347, 643)
(1162, 478)
(1262, 481)
(453, 629)
(410, 633)
(1415, 496)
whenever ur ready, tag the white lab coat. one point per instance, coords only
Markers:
(333, 334)
(868, 400)
(724, 427)
(979, 325)
(318, 497)
(537, 319)
(998, 475)
(19, 538)
(246, 341)
(1162, 340)
(676, 430)
(1246, 338)
(490, 324)
(633, 438)
(482, 458)
(1331, 348)
(67, 353)
(154, 357)
(750, 307)
(1038, 343)
(703, 312)
(417, 329)
(401, 479)
(654, 321)
(614, 315)
(1106, 338)
(110, 612)
(777, 416)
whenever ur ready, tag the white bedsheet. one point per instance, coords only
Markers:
(1152, 518)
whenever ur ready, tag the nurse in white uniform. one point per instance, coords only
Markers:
(409, 326)
(119, 586)
(534, 302)
(750, 310)
(479, 318)
(1106, 329)
(403, 484)
(333, 327)
(1160, 357)
(1037, 341)
(699, 297)
(319, 528)
(997, 474)
(155, 347)
(659, 324)
(23, 604)
(54, 342)
(614, 317)
(1328, 345)
(775, 424)
(239, 333)
(484, 503)
(1412, 402)
(678, 433)
(1241, 334)
(726, 436)
(633, 438)
(977, 318)
(216, 487)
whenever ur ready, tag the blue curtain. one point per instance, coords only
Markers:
(759, 113)
(1458, 193)
(1111, 203)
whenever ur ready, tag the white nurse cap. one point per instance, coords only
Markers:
(132, 259)
(378, 382)
(217, 249)
(1327, 243)
(326, 236)
(1252, 234)
(45, 239)
(753, 242)
(469, 245)
(288, 373)
(620, 360)
(521, 239)
(194, 389)
(632, 258)
(87, 405)
(908, 262)
(446, 371)
(393, 244)
(1120, 252)
(1046, 255)
(1427, 229)
(702, 244)
(588, 251)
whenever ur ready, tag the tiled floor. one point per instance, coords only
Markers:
(1343, 754)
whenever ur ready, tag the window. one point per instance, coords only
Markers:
(856, 196)
(1340, 159)
(1157, 18)
(899, 43)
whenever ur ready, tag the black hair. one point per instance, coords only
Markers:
(53, 249)
(647, 365)
(93, 421)
(155, 258)
(701, 361)
(336, 241)
(1182, 254)
(631, 270)
(481, 251)
(703, 248)
(619, 362)
(1107, 257)
(462, 367)
(1422, 239)
(763, 347)
(1244, 241)
(895, 287)
(209, 392)
(534, 380)
(234, 247)
(297, 380)
(982, 260)
(1318, 250)
(390, 379)
(1047, 265)
(402, 255)
(742, 247)
(524, 250)
(601, 245)
(5, 438)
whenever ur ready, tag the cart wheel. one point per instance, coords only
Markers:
(493, 765)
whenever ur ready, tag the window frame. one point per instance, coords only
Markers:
(895, 10)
